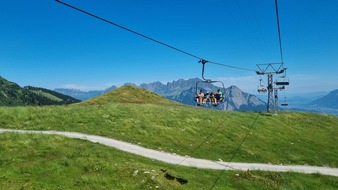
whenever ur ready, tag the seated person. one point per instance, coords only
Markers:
(200, 97)
(213, 99)
(219, 96)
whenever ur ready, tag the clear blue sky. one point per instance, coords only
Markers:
(46, 44)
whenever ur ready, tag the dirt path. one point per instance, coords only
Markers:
(185, 161)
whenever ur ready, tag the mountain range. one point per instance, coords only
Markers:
(184, 91)
(317, 102)
(328, 101)
(81, 95)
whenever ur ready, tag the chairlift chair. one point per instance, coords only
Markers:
(283, 80)
(207, 99)
(284, 103)
(261, 88)
(219, 99)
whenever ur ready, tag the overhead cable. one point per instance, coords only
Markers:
(230, 66)
(279, 35)
(129, 30)
(237, 150)
(147, 37)
(203, 142)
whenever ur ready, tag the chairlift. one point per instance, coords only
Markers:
(213, 98)
(261, 88)
(283, 80)
(284, 103)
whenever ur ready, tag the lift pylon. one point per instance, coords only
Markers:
(271, 69)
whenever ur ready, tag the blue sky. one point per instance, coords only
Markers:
(46, 44)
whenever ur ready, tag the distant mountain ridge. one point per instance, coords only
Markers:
(171, 88)
(11, 94)
(180, 90)
(81, 95)
(328, 101)
(184, 91)
(239, 100)
(234, 98)
(78, 94)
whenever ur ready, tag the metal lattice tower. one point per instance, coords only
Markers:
(276, 108)
(270, 93)
(271, 69)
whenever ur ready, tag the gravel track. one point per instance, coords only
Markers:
(185, 160)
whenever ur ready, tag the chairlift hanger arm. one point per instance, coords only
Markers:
(203, 62)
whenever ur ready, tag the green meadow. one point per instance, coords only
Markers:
(32, 161)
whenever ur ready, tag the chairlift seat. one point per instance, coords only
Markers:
(282, 83)
(262, 90)
(219, 97)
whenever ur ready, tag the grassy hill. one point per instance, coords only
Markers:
(129, 94)
(285, 138)
(12, 94)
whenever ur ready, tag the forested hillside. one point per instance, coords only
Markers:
(11, 94)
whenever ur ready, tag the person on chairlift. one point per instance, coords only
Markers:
(219, 96)
(199, 98)
(213, 99)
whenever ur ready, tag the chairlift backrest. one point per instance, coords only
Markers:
(282, 81)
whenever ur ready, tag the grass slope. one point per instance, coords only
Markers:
(285, 138)
(47, 95)
(32, 161)
(56, 97)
